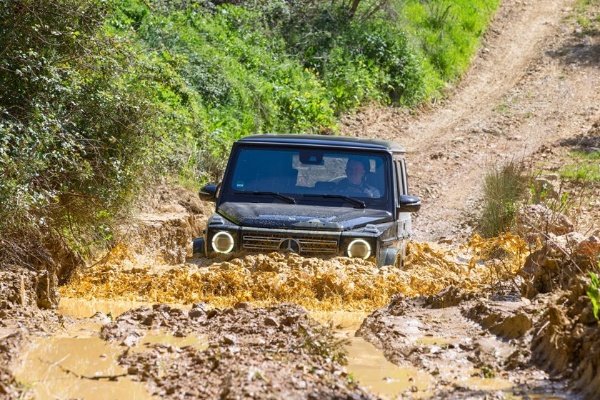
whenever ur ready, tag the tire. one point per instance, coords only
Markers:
(391, 255)
(198, 247)
(402, 254)
(387, 256)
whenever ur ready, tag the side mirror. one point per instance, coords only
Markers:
(209, 192)
(409, 203)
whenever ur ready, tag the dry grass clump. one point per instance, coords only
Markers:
(503, 188)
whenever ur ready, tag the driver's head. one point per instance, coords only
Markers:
(355, 170)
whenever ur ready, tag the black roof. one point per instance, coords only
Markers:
(325, 140)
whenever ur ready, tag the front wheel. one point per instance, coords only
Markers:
(198, 247)
(393, 255)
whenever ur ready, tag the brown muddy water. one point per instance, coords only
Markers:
(367, 364)
(76, 363)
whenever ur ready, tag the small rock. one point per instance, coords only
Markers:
(132, 370)
(196, 313)
(589, 248)
(130, 340)
(269, 321)
(229, 340)
(242, 305)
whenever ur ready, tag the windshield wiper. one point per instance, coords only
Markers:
(352, 200)
(287, 199)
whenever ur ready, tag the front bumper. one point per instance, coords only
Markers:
(304, 242)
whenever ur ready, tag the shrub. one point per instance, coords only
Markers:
(502, 190)
(77, 125)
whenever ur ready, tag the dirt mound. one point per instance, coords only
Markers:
(567, 340)
(325, 284)
(558, 261)
(277, 352)
(164, 224)
(507, 319)
(449, 297)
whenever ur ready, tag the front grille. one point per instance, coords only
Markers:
(272, 242)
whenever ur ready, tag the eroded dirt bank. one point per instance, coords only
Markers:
(22, 291)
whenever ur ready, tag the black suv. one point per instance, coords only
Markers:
(313, 195)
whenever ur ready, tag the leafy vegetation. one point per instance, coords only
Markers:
(503, 188)
(593, 292)
(586, 169)
(101, 97)
(446, 33)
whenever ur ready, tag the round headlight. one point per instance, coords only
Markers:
(222, 242)
(359, 248)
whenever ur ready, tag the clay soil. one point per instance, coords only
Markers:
(477, 319)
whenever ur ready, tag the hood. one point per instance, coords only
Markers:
(294, 216)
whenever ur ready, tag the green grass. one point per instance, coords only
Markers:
(586, 168)
(593, 293)
(585, 16)
(447, 34)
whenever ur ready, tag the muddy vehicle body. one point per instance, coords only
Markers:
(313, 195)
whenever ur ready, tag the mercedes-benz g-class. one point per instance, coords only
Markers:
(313, 195)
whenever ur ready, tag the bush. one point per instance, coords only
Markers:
(77, 123)
(503, 188)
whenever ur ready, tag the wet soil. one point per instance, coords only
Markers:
(469, 353)
(276, 352)
(567, 340)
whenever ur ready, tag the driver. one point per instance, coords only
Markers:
(354, 184)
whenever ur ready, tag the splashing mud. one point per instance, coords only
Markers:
(318, 284)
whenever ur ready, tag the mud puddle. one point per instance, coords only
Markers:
(76, 364)
(367, 364)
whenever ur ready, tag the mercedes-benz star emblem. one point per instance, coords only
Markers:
(290, 245)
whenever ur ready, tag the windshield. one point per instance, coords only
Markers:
(306, 175)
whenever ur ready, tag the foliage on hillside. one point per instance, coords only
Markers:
(102, 96)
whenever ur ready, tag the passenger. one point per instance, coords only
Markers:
(354, 184)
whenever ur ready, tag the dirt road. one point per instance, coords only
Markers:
(536, 79)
